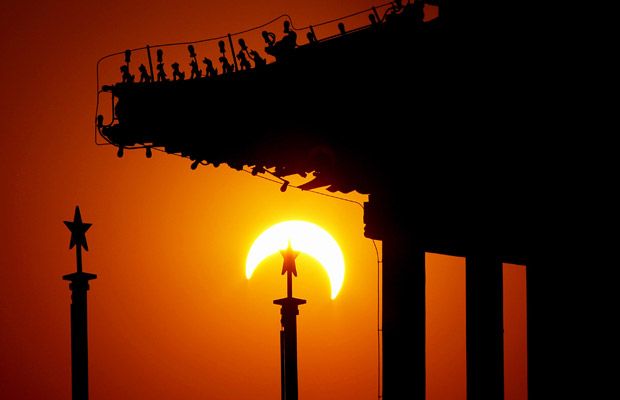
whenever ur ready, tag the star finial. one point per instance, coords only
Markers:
(78, 230)
(289, 260)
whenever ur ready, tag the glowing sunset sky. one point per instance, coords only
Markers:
(171, 314)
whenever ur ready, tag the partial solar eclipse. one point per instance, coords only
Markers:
(305, 237)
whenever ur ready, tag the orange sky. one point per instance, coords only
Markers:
(171, 314)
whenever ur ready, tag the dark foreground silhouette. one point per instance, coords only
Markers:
(79, 309)
(419, 115)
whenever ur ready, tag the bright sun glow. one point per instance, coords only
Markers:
(305, 237)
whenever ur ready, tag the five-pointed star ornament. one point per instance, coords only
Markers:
(289, 260)
(78, 230)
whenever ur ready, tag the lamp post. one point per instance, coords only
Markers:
(288, 334)
(79, 318)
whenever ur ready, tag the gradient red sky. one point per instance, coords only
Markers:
(172, 315)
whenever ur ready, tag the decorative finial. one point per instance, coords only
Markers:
(78, 230)
(78, 238)
(79, 286)
(289, 260)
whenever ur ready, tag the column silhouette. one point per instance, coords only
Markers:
(79, 286)
(485, 333)
(288, 334)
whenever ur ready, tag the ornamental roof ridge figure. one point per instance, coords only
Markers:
(312, 117)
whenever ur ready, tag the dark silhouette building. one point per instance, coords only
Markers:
(420, 116)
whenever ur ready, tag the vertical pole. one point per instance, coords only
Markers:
(79, 318)
(290, 352)
(404, 319)
(288, 335)
(289, 284)
(374, 11)
(113, 108)
(282, 365)
(485, 333)
(78, 258)
(148, 53)
(79, 333)
(293, 348)
(541, 327)
(288, 346)
(313, 34)
(232, 49)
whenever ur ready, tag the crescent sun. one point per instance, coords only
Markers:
(305, 237)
